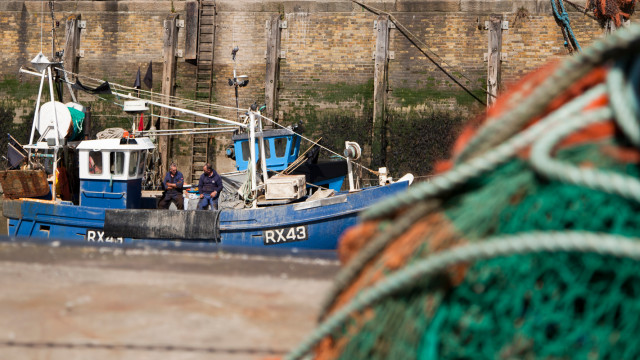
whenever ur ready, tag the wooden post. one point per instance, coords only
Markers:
(273, 67)
(493, 58)
(86, 126)
(71, 47)
(170, 40)
(191, 38)
(610, 26)
(380, 88)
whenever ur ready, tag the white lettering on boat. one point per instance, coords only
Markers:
(285, 235)
(95, 235)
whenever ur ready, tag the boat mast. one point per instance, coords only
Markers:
(253, 122)
(55, 129)
(263, 157)
(252, 153)
(42, 64)
(36, 114)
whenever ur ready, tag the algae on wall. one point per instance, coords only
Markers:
(415, 134)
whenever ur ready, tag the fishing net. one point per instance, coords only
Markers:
(526, 247)
(77, 119)
(616, 10)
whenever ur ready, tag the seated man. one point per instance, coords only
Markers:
(209, 186)
(172, 185)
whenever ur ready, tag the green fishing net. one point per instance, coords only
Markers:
(77, 119)
(546, 305)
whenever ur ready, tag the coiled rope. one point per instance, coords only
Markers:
(110, 133)
(578, 241)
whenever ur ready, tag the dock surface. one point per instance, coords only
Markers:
(103, 303)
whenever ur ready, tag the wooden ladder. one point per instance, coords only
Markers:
(204, 80)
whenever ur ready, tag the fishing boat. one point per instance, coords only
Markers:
(265, 203)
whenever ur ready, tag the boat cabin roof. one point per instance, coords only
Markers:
(266, 133)
(142, 143)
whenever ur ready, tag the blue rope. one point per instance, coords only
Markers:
(564, 18)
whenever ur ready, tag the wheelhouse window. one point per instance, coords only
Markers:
(267, 148)
(293, 145)
(133, 163)
(281, 146)
(95, 162)
(246, 154)
(142, 162)
(117, 163)
(245, 151)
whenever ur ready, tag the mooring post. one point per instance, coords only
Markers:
(610, 26)
(72, 49)
(380, 87)
(170, 39)
(192, 25)
(274, 26)
(494, 57)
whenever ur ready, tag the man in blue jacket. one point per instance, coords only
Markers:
(172, 185)
(210, 187)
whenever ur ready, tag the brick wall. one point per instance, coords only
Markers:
(324, 43)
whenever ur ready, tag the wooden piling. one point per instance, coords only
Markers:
(72, 47)
(273, 66)
(494, 58)
(170, 41)
(380, 88)
(610, 26)
(192, 24)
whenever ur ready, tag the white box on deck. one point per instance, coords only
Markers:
(285, 187)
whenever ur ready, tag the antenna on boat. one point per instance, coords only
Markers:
(237, 81)
(53, 32)
(41, 24)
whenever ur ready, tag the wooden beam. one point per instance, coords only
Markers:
(381, 67)
(72, 47)
(493, 58)
(380, 77)
(273, 67)
(170, 41)
(191, 36)
(610, 26)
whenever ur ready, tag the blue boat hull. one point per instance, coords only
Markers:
(306, 225)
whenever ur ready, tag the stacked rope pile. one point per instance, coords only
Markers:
(526, 246)
(111, 133)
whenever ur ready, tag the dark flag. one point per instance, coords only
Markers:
(104, 88)
(137, 84)
(148, 77)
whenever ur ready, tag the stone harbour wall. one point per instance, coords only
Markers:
(327, 47)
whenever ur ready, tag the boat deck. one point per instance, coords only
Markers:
(107, 303)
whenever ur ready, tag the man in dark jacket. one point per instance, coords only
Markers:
(172, 185)
(210, 187)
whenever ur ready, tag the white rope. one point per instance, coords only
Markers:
(207, 106)
(151, 94)
(110, 133)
